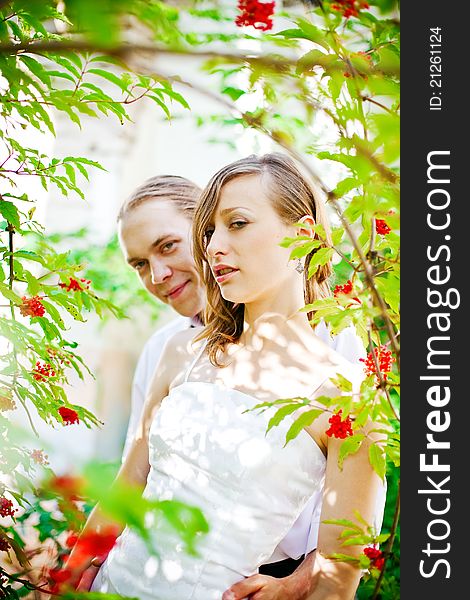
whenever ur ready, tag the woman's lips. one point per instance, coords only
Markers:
(177, 291)
(226, 276)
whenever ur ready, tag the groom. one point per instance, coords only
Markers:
(154, 227)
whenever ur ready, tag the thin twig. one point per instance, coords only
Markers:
(382, 106)
(389, 544)
(123, 50)
(380, 377)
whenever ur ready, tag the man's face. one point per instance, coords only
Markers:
(156, 241)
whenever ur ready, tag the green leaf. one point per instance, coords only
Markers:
(62, 75)
(10, 212)
(377, 459)
(304, 249)
(342, 383)
(10, 294)
(29, 255)
(306, 31)
(306, 419)
(70, 308)
(345, 186)
(281, 414)
(350, 446)
(312, 59)
(321, 257)
(36, 68)
(161, 104)
(176, 96)
(337, 235)
(67, 64)
(54, 313)
(234, 93)
(335, 83)
(343, 523)
(110, 77)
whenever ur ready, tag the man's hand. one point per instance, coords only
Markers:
(297, 586)
(261, 587)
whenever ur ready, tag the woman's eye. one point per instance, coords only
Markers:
(238, 224)
(207, 235)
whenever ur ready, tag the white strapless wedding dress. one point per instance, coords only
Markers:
(206, 451)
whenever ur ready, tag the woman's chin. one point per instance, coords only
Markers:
(231, 297)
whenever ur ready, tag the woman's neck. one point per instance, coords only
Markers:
(277, 320)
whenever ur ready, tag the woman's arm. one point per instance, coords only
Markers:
(135, 468)
(348, 490)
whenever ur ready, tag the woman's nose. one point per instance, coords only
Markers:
(217, 245)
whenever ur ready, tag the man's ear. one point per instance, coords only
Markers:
(309, 224)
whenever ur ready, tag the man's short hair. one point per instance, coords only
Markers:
(179, 190)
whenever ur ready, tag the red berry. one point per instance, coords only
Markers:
(32, 307)
(6, 507)
(74, 285)
(255, 13)
(381, 227)
(375, 556)
(42, 371)
(69, 416)
(384, 360)
(339, 429)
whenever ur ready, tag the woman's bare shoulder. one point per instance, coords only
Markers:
(184, 343)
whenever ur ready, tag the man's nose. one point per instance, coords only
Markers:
(159, 272)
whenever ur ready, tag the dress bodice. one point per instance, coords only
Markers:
(207, 448)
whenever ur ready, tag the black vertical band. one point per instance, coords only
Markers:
(435, 362)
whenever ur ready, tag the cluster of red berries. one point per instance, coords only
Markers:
(338, 428)
(349, 8)
(343, 289)
(76, 286)
(93, 543)
(53, 353)
(87, 546)
(255, 13)
(4, 545)
(6, 507)
(32, 307)
(375, 556)
(69, 416)
(381, 227)
(346, 290)
(58, 578)
(70, 487)
(39, 457)
(384, 360)
(43, 371)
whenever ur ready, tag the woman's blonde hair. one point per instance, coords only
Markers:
(293, 198)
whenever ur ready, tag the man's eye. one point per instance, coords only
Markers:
(168, 246)
(138, 266)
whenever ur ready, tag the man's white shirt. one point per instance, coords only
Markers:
(302, 538)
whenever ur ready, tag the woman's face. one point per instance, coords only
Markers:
(242, 244)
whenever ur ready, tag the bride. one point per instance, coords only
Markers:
(200, 442)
